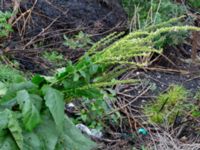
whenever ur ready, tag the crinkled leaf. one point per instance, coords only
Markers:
(32, 141)
(90, 92)
(47, 132)
(51, 139)
(30, 114)
(71, 85)
(14, 88)
(38, 80)
(15, 129)
(54, 100)
(21, 86)
(3, 88)
(37, 101)
(7, 142)
(76, 77)
(3, 120)
(8, 104)
(93, 69)
(73, 139)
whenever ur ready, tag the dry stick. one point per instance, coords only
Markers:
(194, 78)
(156, 80)
(129, 119)
(194, 45)
(67, 30)
(23, 30)
(24, 13)
(34, 38)
(15, 10)
(142, 93)
(167, 70)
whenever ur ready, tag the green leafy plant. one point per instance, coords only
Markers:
(145, 13)
(93, 111)
(10, 75)
(195, 4)
(32, 112)
(54, 57)
(194, 108)
(33, 118)
(167, 106)
(81, 40)
(5, 27)
(170, 105)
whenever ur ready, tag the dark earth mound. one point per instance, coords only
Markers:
(41, 24)
(92, 16)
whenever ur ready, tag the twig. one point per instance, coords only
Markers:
(15, 10)
(124, 106)
(34, 38)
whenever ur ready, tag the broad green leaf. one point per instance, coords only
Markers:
(8, 104)
(7, 142)
(47, 132)
(83, 73)
(21, 86)
(15, 129)
(76, 77)
(93, 69)
(37, 101)
(73, 139)
(32, 141)
(89, 92)
(3, 88)
(195, 3)
(3, 120)
(54, 100)
(30, 114)
(71, 85)
(38, 80)
(50, 79)
(14, 88)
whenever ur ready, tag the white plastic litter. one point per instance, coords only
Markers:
(70, 105)
(90, 132)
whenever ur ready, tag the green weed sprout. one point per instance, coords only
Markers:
(5, 27)
(167, 106)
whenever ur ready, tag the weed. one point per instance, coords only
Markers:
(53, 56)
(195, 4)
(93, 111)
(194, 108)
(32, 112)
(81, 40)
(145, 13)
(10, 75)
(167, 106)
(170, 105)
(5, 27)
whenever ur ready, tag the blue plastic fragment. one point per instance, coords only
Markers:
(142, 131)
